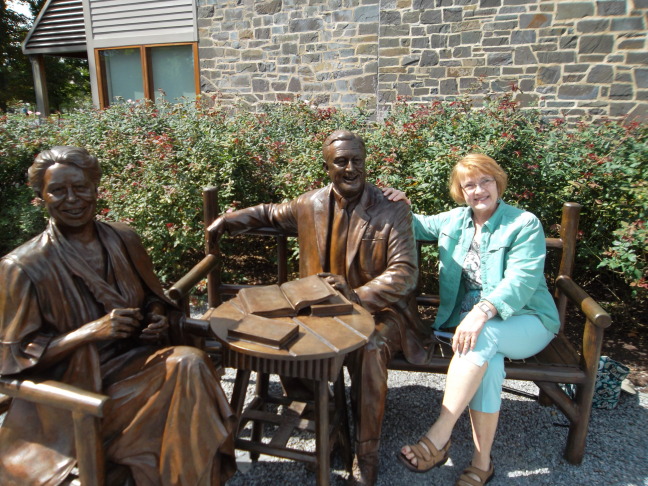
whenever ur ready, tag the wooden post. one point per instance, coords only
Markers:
(568, 235)
(40, 84)
(210, 213)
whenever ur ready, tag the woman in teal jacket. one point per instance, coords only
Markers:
(494, 295)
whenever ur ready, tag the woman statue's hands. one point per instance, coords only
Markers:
(157, 328)
(117, 324)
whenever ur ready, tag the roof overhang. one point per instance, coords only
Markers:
(59, 30)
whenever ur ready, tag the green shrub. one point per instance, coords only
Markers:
(157, 159)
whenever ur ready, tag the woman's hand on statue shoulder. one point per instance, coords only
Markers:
(395, 195)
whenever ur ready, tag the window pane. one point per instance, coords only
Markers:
(123, 74)
(173, 72)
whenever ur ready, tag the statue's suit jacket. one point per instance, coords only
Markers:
(381, 257)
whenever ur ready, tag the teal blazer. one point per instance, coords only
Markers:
(513, 253)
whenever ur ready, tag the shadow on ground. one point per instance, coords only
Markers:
(528, 448)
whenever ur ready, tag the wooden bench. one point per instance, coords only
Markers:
(562, 362)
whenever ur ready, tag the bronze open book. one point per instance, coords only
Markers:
(287, 299)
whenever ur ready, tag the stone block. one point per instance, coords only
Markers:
(524, 55)
(574, 10)
(549, 74)
(448, 87)
(438, 41)
(577, 92)
(489, 3)
(399, 31)
(429, 58)
(641, 3)
(472, 38)
(535, 21)
(495, 41)
(472, 84)
(500, 59)
(294, 85)
(366, 50)
(421, 43)
(423, 4)
(394, 52)
(342, 16)
(390, 17)
(623, 77)
(462, 52)
(632, 44)
(621, 91)
(252, 54)
(573, 78)
(410, 60)
(270, 7)
(556, 57)
(452, 15)
(486, 72)
(627, 24)
(614, 7)
(368, 13)
(637, 58)
(467, 25)
(642, 95)
(641, 78)
(260, 85)
(306, 25)
(576, 68)
(439, 29)
(569, 42)
(412, 18)
(601, 74)
(621, 109)
(454, 40)
(431, 17)
(523, 37)
(527, 100)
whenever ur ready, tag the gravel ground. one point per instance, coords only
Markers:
(528, 447)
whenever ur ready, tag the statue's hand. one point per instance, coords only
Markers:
(157, 328)
(339, 283)
(118, 324)
(217, 228)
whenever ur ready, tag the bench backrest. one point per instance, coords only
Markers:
(565, 245)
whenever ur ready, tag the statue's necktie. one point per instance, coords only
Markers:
(339, 232)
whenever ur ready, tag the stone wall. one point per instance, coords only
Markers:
(572, 58)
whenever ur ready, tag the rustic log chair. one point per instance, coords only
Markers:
(559, 363)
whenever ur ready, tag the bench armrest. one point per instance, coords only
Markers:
(183, 286)
(592, 310)
(56, 394)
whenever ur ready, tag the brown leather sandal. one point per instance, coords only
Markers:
(484, 476)
(427, 456)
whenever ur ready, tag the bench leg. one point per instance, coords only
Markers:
(344, 430)
(263, 380)
(322, 451)
(575, 449)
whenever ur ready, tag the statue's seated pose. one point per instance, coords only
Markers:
(80, 304)
(364, 245)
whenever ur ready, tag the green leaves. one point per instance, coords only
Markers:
(157, 158)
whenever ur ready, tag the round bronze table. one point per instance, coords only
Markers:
(317, 353)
